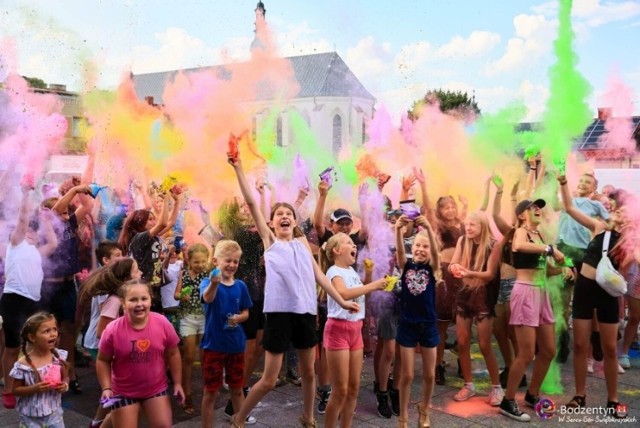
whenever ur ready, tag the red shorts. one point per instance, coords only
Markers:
(213, 363)
(342, 334)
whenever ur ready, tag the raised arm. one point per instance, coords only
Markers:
(258, 218)
(407, 184)
(175, 211)
(401, 255)
(485, 197)
(363, 192)
(429, 212)
(502, 225)
(161, 224)
(19, 233)
(50, 235)
(318, 215)
(63, 203)
(590, 223)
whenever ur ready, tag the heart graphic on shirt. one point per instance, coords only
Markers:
(143, 344)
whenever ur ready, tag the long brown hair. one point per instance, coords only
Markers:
(106, 280)
(31, 327)
(134, 224)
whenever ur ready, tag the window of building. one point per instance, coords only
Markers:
(337, 134)
(279, 142)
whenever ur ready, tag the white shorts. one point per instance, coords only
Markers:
(191, 325)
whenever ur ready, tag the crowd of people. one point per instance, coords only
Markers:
(275, 286)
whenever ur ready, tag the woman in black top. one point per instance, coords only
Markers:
(589, 296)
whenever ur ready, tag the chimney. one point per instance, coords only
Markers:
(57, 87)
(604, 113)
(149, 100)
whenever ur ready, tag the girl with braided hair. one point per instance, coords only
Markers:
(41, 376)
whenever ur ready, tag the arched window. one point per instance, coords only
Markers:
(279, 132)
(337, 134)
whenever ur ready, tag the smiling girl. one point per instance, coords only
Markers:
(290, 304)
(131, 361)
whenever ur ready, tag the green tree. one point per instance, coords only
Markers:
(457, 101)
(35, 82)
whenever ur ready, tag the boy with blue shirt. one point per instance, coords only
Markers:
(226, 305)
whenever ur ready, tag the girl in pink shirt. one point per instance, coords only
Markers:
(131, 361)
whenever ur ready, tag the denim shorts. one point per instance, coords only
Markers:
(506, 285)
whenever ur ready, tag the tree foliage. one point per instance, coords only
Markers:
(35, 82)
(450, 101)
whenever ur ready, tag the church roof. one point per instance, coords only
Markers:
(318, 75)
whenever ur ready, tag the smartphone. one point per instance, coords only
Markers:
(326, 176)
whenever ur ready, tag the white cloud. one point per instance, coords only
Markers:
(300, 39)
(595, 13)
(478, 43)
(369, 58)
(533, 37)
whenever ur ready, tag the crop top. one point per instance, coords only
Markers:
(449, 235)
(593, 254)
(526, 260)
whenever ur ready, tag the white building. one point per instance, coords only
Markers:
(331, 99)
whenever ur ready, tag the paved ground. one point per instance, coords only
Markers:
(281, 407)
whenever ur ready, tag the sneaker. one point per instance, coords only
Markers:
(440, 374)
(394, 397)
(495, 396)
(324, 400)
(623, 361)
(589, 366)
(376, 387)
(465, 393)
(510, 409)
(620, 369)
(530, 399)
(384, 409)
(249, 421)
(292, 376)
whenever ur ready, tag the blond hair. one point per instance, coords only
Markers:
(226, 246)
(484, 244)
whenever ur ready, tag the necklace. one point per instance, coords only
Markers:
(535, 232)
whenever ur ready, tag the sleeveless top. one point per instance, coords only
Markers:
(527, 260)
(593, 255)
(290, 285)
(449, 235)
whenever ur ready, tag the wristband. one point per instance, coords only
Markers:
(533, 169)
(562, 183)
(106, 389)
(548, 250)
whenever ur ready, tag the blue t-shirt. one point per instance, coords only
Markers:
(418, 293)
(230, 299)
(573, 233)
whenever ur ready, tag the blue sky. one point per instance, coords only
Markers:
(499, 49)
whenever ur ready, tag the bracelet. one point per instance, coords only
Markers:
(562, 183)
(548, 250)
(533, 169)
(105, 389)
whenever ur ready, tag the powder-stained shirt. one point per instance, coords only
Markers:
(193, 306)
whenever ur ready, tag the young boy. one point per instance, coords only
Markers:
(226, 305)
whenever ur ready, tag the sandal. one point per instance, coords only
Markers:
(234, 424)
(75, 387)
(187, 407)
(423, 421)
(577, 402)
(306, 424)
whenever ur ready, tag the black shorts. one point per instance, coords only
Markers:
(15, 309)
(59, 298)
(282, 328)
(587, 296)
(255, 321)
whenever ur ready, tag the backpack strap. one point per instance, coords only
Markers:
(605, 242)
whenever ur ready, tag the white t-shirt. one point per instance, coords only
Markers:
(23, 271)
(90, 339)
(171, 275)
(351, 279)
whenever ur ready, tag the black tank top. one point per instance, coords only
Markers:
(593, 254)
(527, 260)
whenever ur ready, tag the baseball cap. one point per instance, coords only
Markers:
(528, 203)
(339, 214)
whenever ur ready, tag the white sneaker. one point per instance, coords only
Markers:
(250, 420)
(620, 369)
(589, 366)
(623, 361)
(495, 396)
(465, 393)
